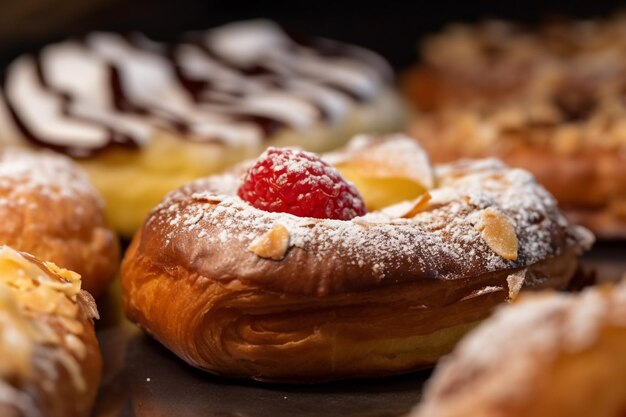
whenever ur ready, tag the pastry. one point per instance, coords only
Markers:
(51, 361)
(274, 270)
(50, 209)
(144, 118)
(549, 101)
(498, 60)
(582, 163)
(546, 355)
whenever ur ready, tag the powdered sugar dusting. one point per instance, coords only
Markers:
(525, 338)
(443, 234)
(24, 173)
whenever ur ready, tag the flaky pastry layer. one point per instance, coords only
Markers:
(51, 361)
(242, 292)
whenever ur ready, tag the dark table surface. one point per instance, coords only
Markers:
(142, 378)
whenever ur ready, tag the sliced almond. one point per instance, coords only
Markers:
(498, 232)
(483, 291)
(409, 209)
(567, 140)
(515, 282)
(419, 204)
(208, 198)
(273, 244)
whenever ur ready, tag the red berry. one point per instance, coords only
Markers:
(300, 183)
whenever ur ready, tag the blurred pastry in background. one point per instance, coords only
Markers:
(49, 208)
(51, 363)
(545, 355)
(144, 118)
(578, 153)
(274, 270)
(550, 100)
(497, 60)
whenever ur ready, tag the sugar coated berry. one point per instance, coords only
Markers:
(300, 183)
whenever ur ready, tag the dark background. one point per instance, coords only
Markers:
(389, 27)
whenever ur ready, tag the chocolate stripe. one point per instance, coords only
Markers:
(209, 85)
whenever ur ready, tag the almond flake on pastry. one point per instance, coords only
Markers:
(409, 209)
(498, 232)
(273, 244)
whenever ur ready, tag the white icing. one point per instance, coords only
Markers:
(300, 88)
(245, 43)
(42, 110)
(346, 73)
(293, 108)
(146, 78)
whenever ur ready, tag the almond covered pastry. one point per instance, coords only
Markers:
(274, 270)
(154, 116)
(546, 355)
(51, 363)
(50, 209)
(548, 99)
(496, 60)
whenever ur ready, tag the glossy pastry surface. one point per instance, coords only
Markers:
(244, 292)
(51, 361)
(545, 355)
(50, 209)
(133, 111)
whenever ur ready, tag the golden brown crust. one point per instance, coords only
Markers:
(497, 60)
(50, 209)
(241, 329)
(48, 331)
(590, 184)
(548, 99)
(373, 296)
(546, 355)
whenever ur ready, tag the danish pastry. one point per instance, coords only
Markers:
(551, 102)
(536, 136)
(50, 209)
(51, 361)
(274, 270)
(546, 355)
(144, 118)
(498, 60)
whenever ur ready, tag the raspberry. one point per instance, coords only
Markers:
(300, 183)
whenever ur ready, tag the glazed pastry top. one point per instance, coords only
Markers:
(241, 82)
(482, 217)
